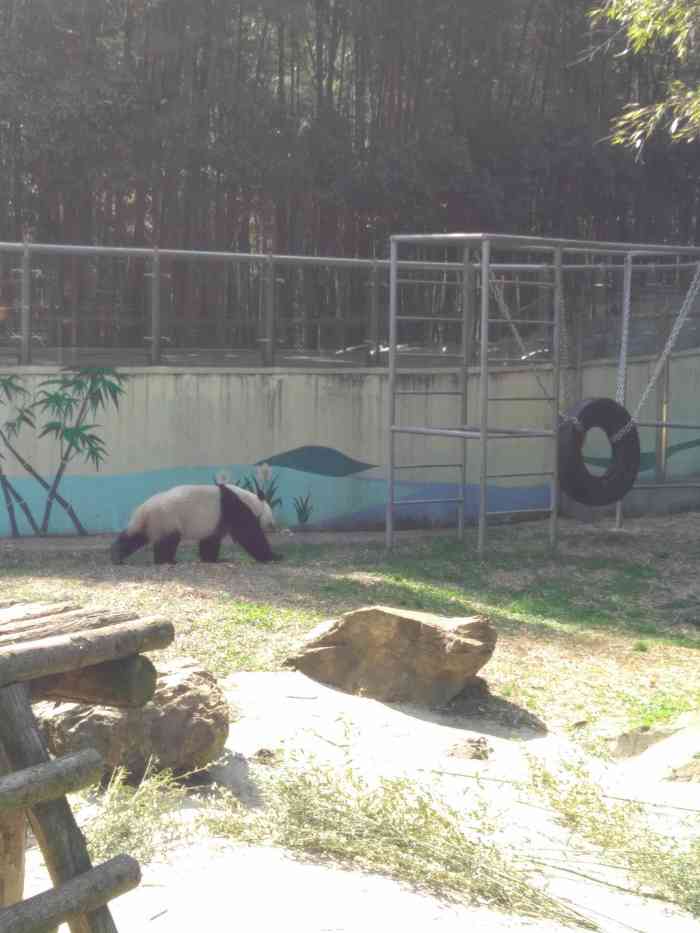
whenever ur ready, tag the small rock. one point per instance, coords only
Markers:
(184, 726)
(396, 655)
(638, 740)
(477, 749)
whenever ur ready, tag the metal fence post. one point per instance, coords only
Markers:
(558, 323)
(268, 340)
(155, 309)
(373, 354)
(26, 307)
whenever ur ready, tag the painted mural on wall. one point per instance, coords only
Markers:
(311, 486)
(62, 408)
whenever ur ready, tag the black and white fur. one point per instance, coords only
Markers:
(198, 513)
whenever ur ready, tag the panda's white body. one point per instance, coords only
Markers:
(194, 512)
(198, 513)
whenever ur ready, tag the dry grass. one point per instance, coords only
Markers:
(600, 637)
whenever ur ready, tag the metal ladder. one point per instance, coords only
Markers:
(462, 431)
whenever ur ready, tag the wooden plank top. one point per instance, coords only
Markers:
(87, 655)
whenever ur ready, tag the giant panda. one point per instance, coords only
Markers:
(198, 513)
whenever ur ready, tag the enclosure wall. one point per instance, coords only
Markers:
(324, 435)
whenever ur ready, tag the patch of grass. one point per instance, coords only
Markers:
(140, 821)
(393, 828)
(658, 707)
(641, 646)
(244, 636)
(662, 866)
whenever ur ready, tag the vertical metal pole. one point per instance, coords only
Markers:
(155, 309)
(578, 327)
(391, 393)
(268, 353)
(556, 391)
(622, 363)
(374, 313)
(467, 317)
(663, 406)
(484, 393)
(665, 416)
(26, 308)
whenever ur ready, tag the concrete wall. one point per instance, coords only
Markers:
(324, 433)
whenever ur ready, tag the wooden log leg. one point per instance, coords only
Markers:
(62, 844)
(13, 844)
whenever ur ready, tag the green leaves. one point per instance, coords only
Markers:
(79, 439)
(67, 399)
(659, 26)
(11, 388)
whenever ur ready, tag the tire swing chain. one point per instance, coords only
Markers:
(503, 307)
(688, 302)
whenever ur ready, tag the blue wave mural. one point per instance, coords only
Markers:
(340, 493)
(322, 461)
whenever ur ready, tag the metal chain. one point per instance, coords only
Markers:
(495, 287)
(661, 362)
(688, 302)
(498, 294)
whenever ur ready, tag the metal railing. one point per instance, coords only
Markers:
(81, 305)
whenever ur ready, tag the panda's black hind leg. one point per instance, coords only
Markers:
(209, 549)
(164, 550)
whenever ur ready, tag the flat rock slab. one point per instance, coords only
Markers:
(397, 655)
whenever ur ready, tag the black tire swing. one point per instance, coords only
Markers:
(574, 478)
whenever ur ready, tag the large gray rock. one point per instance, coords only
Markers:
(184, 726)
(396, 655)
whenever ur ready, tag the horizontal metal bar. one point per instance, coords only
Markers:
(525, 435)
(504, 320)
(423, 501)
(521, 398)
(520, 362)
(426, 466)
(522, 511)
(619, 267)
(512, 241)
(493, 434)
(666, 486)
(514, 475)
(429, 317)
(667, 424)
(430, 356)
(514, 432)
(438, 432)
(426, 282)
(77, 249)
(331, 261)
(428, 392)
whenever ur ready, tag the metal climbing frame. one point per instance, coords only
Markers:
(553, 251)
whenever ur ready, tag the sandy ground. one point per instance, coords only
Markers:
(241, 887)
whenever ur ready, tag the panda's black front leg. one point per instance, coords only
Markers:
(209, 548)
(164, 550)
